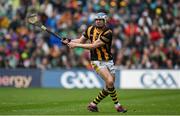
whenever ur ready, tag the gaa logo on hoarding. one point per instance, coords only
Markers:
(159, 80)
(79, 79)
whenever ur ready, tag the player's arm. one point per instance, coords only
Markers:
(105, 39)
(94, 45)
(82, 39)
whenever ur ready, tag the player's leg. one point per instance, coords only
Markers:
(109, 82)
(102, 94)
(93, 105)
(113, 94)
(109, 79)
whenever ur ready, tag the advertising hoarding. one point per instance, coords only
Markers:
(76, 78)
(20, 78)
(151, 79)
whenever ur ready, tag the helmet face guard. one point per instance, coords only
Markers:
(102, 16)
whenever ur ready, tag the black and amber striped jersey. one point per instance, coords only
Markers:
(102, 53)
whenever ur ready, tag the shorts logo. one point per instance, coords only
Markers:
(79, 79)
(160, 80)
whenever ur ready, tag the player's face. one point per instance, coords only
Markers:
(99, 22)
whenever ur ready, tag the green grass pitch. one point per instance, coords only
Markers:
(47, 101)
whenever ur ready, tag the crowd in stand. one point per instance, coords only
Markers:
(146, 33)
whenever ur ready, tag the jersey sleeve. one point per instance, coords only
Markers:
(107, 36)
(85, 33)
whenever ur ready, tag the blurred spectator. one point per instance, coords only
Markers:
(146, 33)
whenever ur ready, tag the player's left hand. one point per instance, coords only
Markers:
(72, 44)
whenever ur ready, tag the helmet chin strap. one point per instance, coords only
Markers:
(100, 27)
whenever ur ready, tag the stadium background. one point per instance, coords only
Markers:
(146, 50)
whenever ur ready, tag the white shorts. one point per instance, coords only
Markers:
(104, 64)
